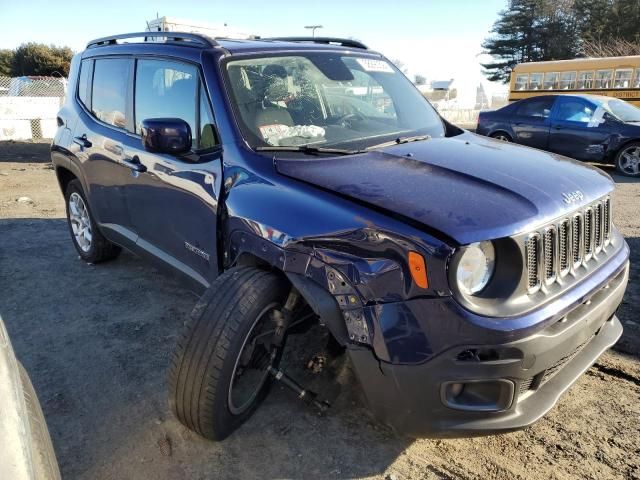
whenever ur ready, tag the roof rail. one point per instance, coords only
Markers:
(192, 38)
(345, 42)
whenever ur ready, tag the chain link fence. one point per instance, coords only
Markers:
(29, 106)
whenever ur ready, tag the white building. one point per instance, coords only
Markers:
(213, 30)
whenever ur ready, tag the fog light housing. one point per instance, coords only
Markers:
(478, 395)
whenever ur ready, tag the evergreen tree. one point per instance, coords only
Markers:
(529, 31)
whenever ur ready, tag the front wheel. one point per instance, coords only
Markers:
(502, 136)
(628, 160)
(220, 369)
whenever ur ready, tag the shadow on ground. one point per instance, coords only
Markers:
(96, 341)
(25, 152)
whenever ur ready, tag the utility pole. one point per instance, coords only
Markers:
(313, 29)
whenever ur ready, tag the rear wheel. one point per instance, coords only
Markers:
(220, 369)
(628, 160)
(91, 245)
(502, 136)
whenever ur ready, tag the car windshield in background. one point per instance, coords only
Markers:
(327, 100)
(623, 110)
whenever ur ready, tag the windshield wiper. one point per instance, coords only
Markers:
(399, 140)
(306, 149)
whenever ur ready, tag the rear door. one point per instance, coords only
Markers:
(100, 136)
(173, 204)
(578, 129)
(530, 121)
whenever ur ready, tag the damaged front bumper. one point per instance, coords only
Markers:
(487, 380)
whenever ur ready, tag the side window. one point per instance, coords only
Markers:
(535, 81)
(539, 107)
(109, 99)
(585, 80)
(574, 111)
(623, 78)
(567, 80)
(522, 81)
(166, 89)
(636, 78)
(551, 80)
(603, 79)
(84, 82)
(207, 137)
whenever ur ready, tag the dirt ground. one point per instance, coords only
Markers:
(96, 342)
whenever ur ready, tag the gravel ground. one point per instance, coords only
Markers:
(96, 342)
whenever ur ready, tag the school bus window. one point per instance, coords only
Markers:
(603, 79)
(585, 80)
(535, 81)
(636, 79)
(522, 82)
(622, 78)
(551, 80)
(567, 80)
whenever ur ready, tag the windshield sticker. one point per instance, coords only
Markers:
(597, 118)
(371, 65)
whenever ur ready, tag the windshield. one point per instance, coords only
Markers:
(623, 110)
(327, 100)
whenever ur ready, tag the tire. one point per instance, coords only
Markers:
(502, 136)
(209, 350)
(628, 160)
(98, 248)
(45, 465)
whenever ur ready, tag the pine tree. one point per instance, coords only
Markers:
(529, 31)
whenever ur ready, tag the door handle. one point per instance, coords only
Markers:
(558, 127)
(134, 164)
(82, 141)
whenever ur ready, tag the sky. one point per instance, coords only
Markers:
(440, 39)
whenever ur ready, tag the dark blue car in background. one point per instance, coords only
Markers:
(584, 127)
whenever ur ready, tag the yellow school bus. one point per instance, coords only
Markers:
(613, 76)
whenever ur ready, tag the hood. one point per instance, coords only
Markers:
(468, 187)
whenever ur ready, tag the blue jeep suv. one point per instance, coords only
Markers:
(297, 180)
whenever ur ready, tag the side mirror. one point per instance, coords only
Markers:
(166, 135)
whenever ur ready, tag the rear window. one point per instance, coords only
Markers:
(109, 99)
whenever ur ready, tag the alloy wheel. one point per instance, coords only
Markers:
(630, 160)
(80, 222)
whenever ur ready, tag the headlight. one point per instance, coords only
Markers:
(475, 267)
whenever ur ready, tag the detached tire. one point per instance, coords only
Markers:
(91, 245)
(207, 365)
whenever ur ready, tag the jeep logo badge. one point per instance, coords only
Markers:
(572, 197)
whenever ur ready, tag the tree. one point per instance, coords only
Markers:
(400, 65)
(420, 80)
(528, 31)
(6, 62)
(40, 59)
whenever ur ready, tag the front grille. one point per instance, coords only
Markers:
(606, 219)
(564, 250)
(549, 254)
(552, 252)
(588, 233)
(533, 255)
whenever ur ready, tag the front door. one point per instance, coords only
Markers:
(578, 129)
(173, 203)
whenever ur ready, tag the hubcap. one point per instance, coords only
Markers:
(251, 369)
(630, 160)
(502, 138)
(80, 222)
